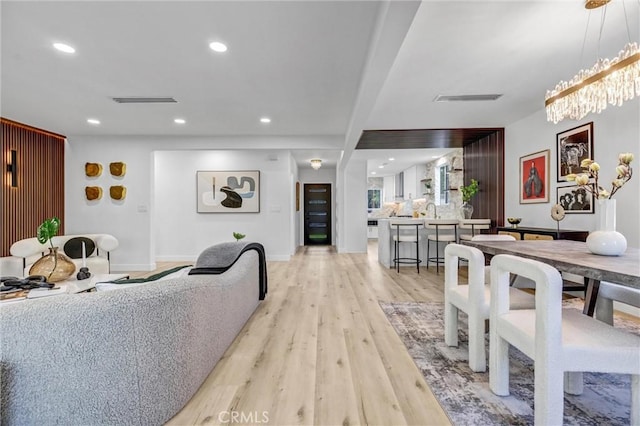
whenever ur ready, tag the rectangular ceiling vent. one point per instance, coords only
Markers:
(145, 100)
(466, 98)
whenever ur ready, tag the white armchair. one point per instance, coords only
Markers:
(98, 261)
(557, 340)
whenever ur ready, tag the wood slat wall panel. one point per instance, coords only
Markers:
(484, 161)
(40, 191)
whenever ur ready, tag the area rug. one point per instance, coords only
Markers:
(466, 396)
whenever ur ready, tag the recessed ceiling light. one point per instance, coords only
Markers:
(381, 167)
(216, 46)
(391, 159)
(373, 173)
(265, 120)
(179, 121)
(93, 121)
(435, 156)
(64, 48)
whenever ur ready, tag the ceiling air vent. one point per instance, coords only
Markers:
(145, 100)
(466, 98)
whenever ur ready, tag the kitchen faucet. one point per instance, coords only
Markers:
(435, 209)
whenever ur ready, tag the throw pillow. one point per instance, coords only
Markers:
(73, 247)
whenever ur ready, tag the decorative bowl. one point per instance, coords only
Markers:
(514, 221)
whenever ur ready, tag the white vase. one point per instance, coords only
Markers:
(606, 241)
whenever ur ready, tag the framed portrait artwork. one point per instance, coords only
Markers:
(573, 146)
(534, 178)
(575, 199)
(228, 191)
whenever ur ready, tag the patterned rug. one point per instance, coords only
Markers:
(466, 396)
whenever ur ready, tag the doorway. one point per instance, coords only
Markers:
(317, 214)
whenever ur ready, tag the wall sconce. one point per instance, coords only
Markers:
(12, 167)
(316, 163)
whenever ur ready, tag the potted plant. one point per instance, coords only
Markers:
(54, 266)
(467, 193)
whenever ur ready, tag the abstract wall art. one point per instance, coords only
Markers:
(228, 191)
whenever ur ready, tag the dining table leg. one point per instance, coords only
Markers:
(591, 296)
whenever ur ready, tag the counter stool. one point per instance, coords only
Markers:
(475, 225)
(443, 228)
(406, 237)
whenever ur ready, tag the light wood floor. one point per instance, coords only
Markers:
(319, 350)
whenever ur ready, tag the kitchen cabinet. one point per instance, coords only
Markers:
(372, 229)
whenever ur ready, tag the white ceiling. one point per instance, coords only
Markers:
(305, 64)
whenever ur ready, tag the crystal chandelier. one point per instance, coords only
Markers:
(609, 81)
(316, 163)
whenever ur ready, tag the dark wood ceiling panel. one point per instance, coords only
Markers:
(421, 138)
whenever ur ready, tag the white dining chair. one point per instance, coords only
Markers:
(609, 292)
(515, 281)
(557, 340)
(473, 299)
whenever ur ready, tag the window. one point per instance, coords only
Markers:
(442, 195)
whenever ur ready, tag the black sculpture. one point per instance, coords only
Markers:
(233, 200)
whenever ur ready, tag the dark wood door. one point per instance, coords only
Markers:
(317, 214)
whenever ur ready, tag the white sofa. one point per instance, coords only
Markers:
(25, 252)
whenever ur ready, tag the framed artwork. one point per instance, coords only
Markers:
(573, 146)
(228, 191)
(297, 196)
(575, 199)
(534, 178)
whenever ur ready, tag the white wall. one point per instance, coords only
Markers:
(616, 129)
(132, 221)
(181, 232)
(322, 175)
(352, 208)
(129, 220)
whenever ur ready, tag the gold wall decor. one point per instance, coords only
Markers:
(118, 168)
(93, 169)
(118, 192)
(93, 192)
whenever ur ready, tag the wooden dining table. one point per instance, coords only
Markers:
(573, 257)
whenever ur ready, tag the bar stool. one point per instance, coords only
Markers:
(443, 228)
(476, 226)
(406, 237)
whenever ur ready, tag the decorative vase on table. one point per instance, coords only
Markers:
(55, 267)
(467, 210)
(606, 241)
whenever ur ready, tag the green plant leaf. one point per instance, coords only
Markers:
(469, 190)
(238, 236)
(47, 230)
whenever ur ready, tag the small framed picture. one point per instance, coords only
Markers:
(575, 199)
(534, 178)
(574, 145)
